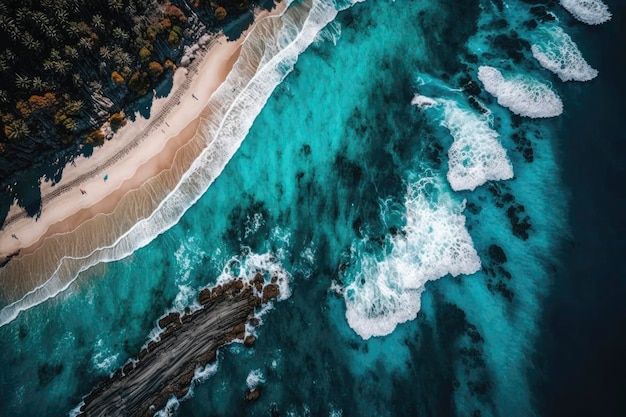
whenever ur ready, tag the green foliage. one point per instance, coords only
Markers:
(139, 83)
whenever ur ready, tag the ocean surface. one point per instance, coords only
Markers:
(441, 181)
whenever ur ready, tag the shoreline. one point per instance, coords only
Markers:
(135, 159)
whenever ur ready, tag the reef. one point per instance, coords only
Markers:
(166, 367)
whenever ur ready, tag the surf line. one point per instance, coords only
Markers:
(166, 367)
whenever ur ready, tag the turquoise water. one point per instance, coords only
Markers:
(344, 185)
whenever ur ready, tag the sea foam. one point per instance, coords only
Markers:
(521, 94)
(476, 156)
(591, 12)
(558, 53)
(433, 243)
(267, 55)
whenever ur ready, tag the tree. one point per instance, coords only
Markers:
(97, 22)
(173, 39)
(95, 138)
(116, 5)
(116, 121)
(139, 83)
(120, 34)
(155, 69)
(144, 53)
(16, 129)
(175, 13)
(22, 82)
(116, 77)
(220, 13)
(105, 52)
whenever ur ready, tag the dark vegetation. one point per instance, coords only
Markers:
(69, 69)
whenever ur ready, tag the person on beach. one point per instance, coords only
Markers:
(83, 192)
(106, 177)
(194, 96)
(14, 236)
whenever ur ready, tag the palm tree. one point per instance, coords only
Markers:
(105, 52)
(85, 43)
(30, 42)
(70, 52)
(61, 15)
(61, 67)
(40, 19)
(74, 29)
(11, 56)
(48, 64)
(52, 33)
(120, 34)
(116, 5)
(55, 55)
(17, 129)
(9, 26)
(38, 84)
(4, 64)
(22, 14)
(22, 82)
(97, 22)
(74, 106)
(4, 96)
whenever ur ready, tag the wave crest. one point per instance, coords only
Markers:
(434, 243)
(591, 12)
(558, 53)
(521, 94)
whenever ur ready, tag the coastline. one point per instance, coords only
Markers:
(140, 173)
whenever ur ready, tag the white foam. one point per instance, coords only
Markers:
(200, 375)
(434, 243)
(558, 53)
(75, 412)
(423, 102)
(253, 224)
(245, 267)
(476, 156)
(254, 379)
(268, 54)
(591, 12)
(521, 94)
(103, 359)
(170, 408)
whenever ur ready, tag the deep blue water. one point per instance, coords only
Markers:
(345, 184)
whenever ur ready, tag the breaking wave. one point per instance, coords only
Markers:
(521, 94)
(385, 290)
(591, 12)
(476, 156)
(558, 53)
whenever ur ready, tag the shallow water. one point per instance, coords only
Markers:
(347, 184)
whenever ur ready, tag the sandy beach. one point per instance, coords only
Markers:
(124, 180)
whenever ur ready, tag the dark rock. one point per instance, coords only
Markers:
(166, 367)
(205, 296)
(270, 291)
(169, 319)
(128, 368)
(497, 255)
(253, 395)
(249, 340)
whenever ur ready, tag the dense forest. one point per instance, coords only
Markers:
(70, 68)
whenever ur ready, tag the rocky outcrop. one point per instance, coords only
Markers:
(166, 367)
